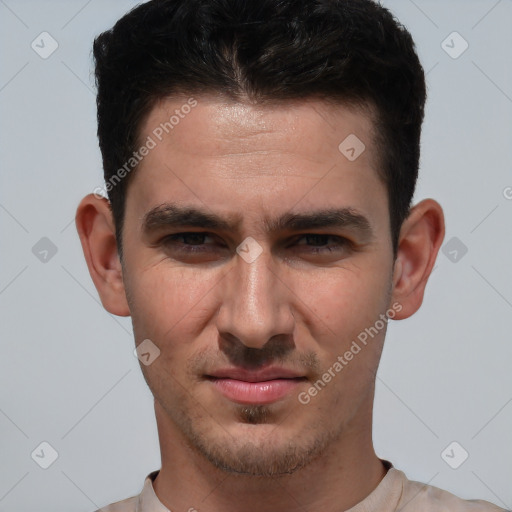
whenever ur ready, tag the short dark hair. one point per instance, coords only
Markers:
(352, 52)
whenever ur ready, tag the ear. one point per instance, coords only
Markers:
(95, 226)
(421, 236)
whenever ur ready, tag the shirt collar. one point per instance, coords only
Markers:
(148, 500)
(385, 496)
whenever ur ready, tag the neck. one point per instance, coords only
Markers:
(338, 479)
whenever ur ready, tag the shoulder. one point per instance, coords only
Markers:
(419, 497)
(127, 505)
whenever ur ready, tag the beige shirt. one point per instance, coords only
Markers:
(394, 492)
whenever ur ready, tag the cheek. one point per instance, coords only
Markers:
(345, 301)
(168, 307)
(167, 302)
(349, 339)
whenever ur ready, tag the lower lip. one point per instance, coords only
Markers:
(255, 392)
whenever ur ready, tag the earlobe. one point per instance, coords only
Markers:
(96, 230)
(421, 237)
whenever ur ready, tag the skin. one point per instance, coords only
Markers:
(291, 307)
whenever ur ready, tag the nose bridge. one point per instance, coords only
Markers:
(255, 288)
(254, 307)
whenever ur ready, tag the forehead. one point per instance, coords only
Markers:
(222, 126)
(253, 159)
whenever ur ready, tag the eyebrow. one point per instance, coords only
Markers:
(170, 215)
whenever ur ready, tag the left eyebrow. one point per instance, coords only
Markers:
(171, 215)
(344, 218)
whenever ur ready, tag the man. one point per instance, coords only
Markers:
(260, 160)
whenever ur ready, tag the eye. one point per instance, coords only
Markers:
(319, 243)
(192, 242)
(190, 238)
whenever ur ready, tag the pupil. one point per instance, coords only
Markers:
(197, 238)
(317, 239)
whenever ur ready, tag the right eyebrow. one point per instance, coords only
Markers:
(174, 216)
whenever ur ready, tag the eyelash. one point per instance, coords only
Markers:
(170, 240)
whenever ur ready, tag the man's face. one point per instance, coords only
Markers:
(243, 336)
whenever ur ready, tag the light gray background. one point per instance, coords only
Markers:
(67, 372)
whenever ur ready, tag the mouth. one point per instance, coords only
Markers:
(255, 387)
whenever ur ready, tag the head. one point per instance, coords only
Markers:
(260, 161)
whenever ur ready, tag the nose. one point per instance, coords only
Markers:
(255, 303)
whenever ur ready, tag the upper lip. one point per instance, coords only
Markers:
(261, 375)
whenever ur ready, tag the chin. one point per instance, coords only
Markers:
(258, 447)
